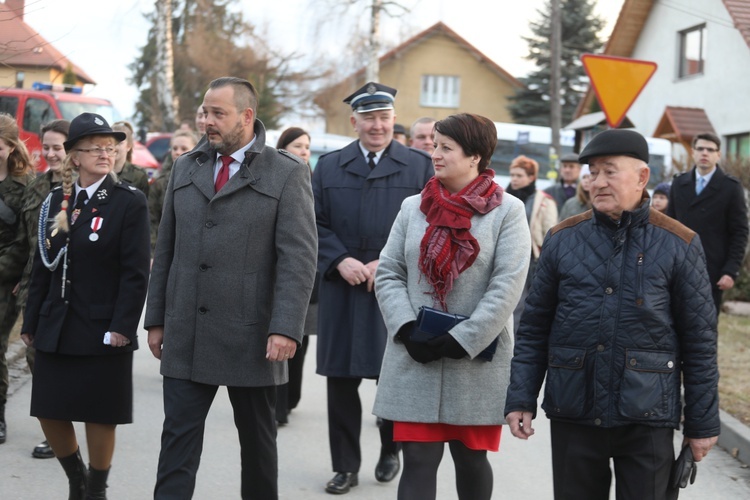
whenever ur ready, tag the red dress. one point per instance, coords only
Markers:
(474, 437)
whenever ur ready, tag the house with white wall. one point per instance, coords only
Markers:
(702, 49)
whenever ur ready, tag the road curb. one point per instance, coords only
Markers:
(735, 437)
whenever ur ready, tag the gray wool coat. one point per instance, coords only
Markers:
(231, 268)
(466, 391)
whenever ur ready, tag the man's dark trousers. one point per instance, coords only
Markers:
(642, 456)
(186, 406)
(345, 425)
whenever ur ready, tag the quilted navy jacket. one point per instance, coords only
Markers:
(617, 314)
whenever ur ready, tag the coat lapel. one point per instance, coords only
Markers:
(202, 173)
(395, 157)
(355, 163)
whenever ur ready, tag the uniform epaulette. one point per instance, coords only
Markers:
(127, 187)
(290, 155)
(658, 219)
(572, 221)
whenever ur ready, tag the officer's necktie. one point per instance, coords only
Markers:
(223, 176)
(81, 199)
(371, 159)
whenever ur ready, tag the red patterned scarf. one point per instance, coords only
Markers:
(448, 248)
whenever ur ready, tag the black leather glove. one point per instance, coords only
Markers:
(419, 351)
(447, 346)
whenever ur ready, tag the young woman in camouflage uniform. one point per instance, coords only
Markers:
(16, 172)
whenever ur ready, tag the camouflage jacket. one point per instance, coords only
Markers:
(156, 199)
(11, 200)
(27, 234)
(135, 176)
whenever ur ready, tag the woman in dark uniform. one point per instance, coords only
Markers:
(87, 289)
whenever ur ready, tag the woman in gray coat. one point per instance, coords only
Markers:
(461, 246)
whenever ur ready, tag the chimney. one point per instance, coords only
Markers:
(16, 7)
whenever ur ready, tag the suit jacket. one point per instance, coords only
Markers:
(355, 208)
(718, 215)
(105, 280)
(232, 267)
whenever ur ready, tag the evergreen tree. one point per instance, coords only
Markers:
(211, 40)
(580, 35)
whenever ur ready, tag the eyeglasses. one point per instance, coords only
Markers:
(96, 152)
(701, 149)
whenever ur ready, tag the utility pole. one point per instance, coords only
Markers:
(555, 112)
(166, 95)
(373, 63)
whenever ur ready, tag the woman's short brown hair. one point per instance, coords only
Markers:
(529, 165)
(475, 134)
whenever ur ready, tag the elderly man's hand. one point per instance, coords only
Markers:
(701, 446)
(520, 424)
(353, 271)
(725, 282)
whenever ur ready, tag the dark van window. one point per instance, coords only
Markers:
(8, 105)
(36, 113)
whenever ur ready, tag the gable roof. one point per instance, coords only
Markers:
(629, 25)
(682, 124)
(739, 11)
(441, 28)
(21, 46)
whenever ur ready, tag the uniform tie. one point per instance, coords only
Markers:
(371, 159)
(81, 200)
(223, 176)
(701, 185)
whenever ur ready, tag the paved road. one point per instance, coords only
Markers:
(522, 469)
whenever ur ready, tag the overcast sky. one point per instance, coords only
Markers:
(104, 37)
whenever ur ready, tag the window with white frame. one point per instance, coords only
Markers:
(440, 91)
(738, 145)
(692, 51)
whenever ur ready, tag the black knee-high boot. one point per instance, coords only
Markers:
(97, 489)
(77, 478)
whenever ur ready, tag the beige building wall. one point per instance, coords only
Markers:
(482, 90)
(31, 75)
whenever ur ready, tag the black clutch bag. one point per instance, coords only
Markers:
(434, 322)
(684, 469)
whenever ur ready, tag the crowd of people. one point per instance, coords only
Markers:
(412, 266)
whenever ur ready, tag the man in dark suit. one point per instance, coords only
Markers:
(358, 193)
(712, 204)
(233, 270)
(565, 187)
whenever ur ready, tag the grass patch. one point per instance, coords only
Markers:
(734, 366)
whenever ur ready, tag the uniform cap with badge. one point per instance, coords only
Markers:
(86, 125)
(372, 96)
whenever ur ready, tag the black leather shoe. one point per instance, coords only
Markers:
(342, 482)
(3, 431)
(388, 466)
(43, 450)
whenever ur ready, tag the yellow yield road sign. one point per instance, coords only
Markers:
(617, 82)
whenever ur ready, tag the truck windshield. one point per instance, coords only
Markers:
(70, 110)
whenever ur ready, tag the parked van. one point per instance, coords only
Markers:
(45, 102)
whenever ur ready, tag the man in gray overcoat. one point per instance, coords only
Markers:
(358, 193)
(233, 270)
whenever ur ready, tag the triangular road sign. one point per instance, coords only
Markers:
(617, 81)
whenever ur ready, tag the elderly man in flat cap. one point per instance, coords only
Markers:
(619, 312)
(565, 188)
(358, 193)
